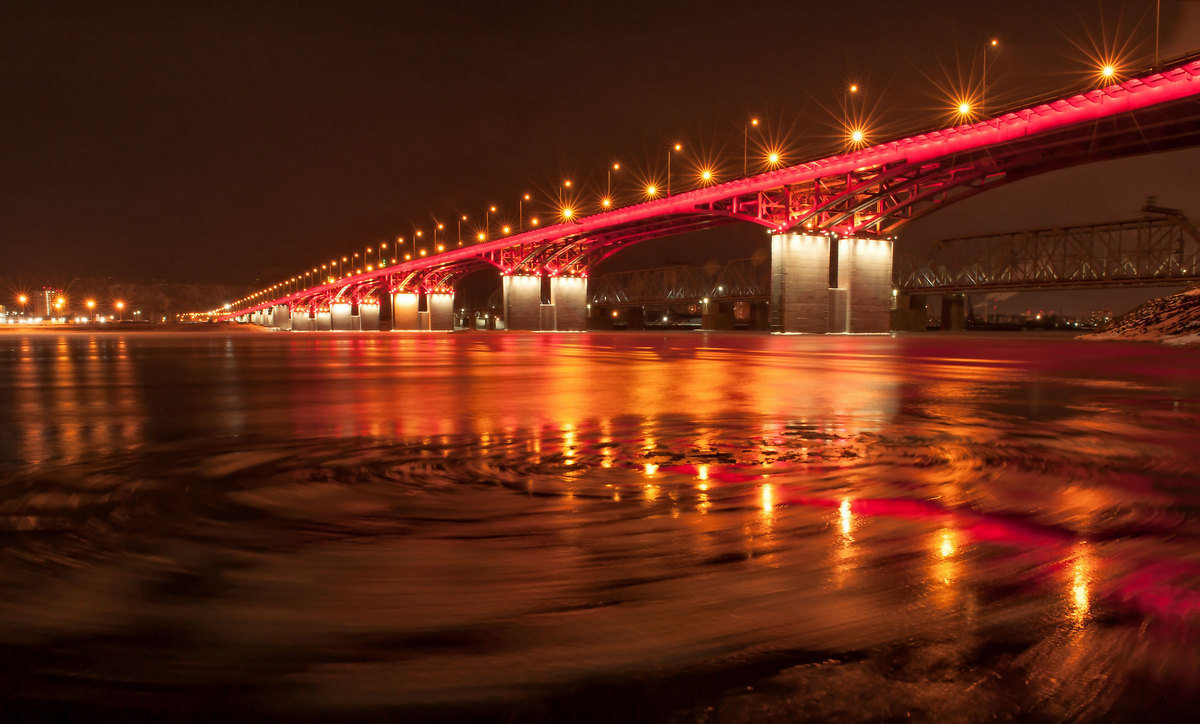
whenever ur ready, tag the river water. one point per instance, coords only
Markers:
(623, 526)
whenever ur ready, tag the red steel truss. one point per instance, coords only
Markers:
(871, 192)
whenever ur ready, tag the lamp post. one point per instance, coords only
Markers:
(459, 234)
(607, 201)
(746, 145)
(120, 310)
(983, 92)
(91, 305)
(521, 212)
(678, 147)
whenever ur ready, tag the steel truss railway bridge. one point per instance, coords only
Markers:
(832, 220)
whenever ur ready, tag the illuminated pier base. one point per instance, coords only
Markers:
(566, 309)
(281, 317)
(302, 321)
(368, 316)
(440, 311)
(323, 321)
(522, 302)
(339, 315)
(404, 311)
(568, 295)
(822, 284)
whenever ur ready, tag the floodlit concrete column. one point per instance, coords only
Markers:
(323, 321)
(954, 313)
(301, 321)
(368, 315)
(340, 317)
(404, 311)
(441, 311)
(282, 318)
(800, 283)
(522, 302)
(569, 295)
(865, 274)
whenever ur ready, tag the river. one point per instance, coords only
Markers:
(603, 526)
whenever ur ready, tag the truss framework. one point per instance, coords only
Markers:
(1141, 252)
(870, 192)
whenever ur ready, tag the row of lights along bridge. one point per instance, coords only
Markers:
(965, 107)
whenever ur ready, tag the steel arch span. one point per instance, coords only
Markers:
(871, 192)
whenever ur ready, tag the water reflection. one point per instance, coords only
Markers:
(515, 515)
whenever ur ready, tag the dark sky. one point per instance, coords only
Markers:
(229, 141)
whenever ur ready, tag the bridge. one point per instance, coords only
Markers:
(832, 220)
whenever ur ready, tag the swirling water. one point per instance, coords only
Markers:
(627, 526)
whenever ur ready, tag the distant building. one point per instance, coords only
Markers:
(50, 303)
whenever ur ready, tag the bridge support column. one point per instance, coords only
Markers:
(822, 284)
(910, 313)
(865, 273)
(441, 311)
(522, 302)
(716, 316)
(282, 318)
(368, 315)
(339, 315)
(404, 311)
(954, 313)
(323, 321)
(800, 283)
(569, 297)
(760, 316)
(302, 321)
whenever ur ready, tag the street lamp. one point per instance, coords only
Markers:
(91, 305)
(983, 93)
(746, 143)
(460, 220)
(521, 212)
(120, 310)
(678, 147)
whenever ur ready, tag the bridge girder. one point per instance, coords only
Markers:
(868, 192)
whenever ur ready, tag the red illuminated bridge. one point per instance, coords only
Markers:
(832, 220)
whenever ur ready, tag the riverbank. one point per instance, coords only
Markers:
(1173, 320)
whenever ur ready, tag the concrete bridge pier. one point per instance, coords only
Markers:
(760, 316)
(322, 321)
(569, 297)
(910, 313)
(302, 320)
(716, 316)
(441, 311)
(368, 315)
(954, 313)
(822, 284)
(565, 308)
(281, 317)
(405, 316)
(341, 318)
(522, 302)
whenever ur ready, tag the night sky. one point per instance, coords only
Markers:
(234, 141)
